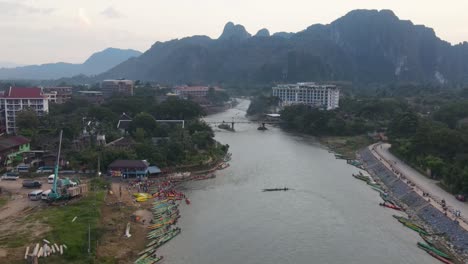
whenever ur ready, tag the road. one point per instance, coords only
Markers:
(422, 182)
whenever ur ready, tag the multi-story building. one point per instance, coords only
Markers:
(62, 94)
(94, 97)
(324, 96)
(193, 91)
(15, 99)
(117, 87)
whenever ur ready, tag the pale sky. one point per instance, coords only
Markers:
(41, 31)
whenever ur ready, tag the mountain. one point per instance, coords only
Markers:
(99, 62)
(364, 46)
(263, 33)
(8, 64)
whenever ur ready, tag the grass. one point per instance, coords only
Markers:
(346, 146)
(74, 235)
(3, 201)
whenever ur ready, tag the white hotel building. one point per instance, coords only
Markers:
(15, 99)
(323, 96)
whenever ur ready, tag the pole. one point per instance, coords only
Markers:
(89, 239)
(99, 166)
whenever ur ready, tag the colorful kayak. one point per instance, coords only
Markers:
(361, 177)
(443, 260)
(433, 249)
(392, 206)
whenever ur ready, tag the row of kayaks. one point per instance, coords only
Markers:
(162, 230)
(429, 246)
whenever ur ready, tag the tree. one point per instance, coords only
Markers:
(144, 121)
(27, 119)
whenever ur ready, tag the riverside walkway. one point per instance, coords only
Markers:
(422, 184)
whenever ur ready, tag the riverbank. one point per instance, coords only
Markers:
(453, 237)
(347, 146)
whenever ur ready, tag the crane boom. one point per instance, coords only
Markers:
(54, 194)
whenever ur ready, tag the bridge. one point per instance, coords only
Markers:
(233, 122)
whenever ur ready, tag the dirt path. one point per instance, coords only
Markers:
(116, 213)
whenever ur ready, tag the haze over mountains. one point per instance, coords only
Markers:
(98, 62)
(362, 46)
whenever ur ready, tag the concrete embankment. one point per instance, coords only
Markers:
(435, 219)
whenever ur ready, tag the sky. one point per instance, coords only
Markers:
(44, 31)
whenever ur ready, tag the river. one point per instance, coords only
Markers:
(329, 217)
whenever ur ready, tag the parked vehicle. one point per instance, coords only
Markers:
(31, 184)
(45, 195)
(45, 169)
(10, 176)
(461, 197)
(35, 195)
(22, 168)
(50, 179)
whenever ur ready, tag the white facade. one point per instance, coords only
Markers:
(317, 95)
(16, 99)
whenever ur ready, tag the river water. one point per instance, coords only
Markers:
(329, 217)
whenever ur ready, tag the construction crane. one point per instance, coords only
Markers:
(54, 194)
(67, 189)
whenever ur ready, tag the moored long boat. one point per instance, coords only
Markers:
(361, 177)
(442, 259)
(392, 206)
(433, 249)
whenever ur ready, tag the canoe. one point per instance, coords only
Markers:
(417, 229)
(377, 189)
(443, 260)
(275, 189)
(433, 249)
(392, 206)
(361, 177)
(427, 239)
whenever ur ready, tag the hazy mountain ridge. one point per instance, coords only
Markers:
(97, 63)
(363, 46)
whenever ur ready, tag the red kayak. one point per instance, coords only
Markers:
(392, 206)
(442, 259)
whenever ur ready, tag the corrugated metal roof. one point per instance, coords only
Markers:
(23, 92)
(128, 164)
(10, 142)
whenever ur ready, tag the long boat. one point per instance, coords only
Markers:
(442, 259)
(392, 206)
(276, 189)
(361, 177)
(377, 189)
(386, 199)
(433, 249)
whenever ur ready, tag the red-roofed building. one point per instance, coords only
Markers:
(15, 99)
(193, 91)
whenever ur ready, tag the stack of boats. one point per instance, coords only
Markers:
(367, 178)
(430, 248)
(162, 229)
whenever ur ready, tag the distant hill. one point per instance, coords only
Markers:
(362, 46)
(99, 62)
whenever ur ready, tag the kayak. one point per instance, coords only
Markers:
(392, 206)
(377, 189)
(361, 177)
(443, 260)
(433, 249)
